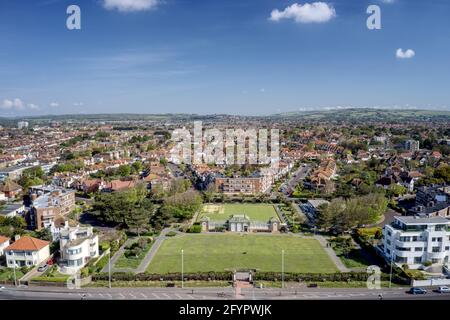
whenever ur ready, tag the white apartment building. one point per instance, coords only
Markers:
(77, 245)
(27, 252)
(414, 240)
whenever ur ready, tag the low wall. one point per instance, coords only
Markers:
(430, 283)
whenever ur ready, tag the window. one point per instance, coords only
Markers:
(436, 249)
(402, 249)
(447, 248)
(388, 242)
(417, 260)
(418, 249)
(405, 239)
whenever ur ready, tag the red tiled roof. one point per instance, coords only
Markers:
(3, 239)
(28, 244)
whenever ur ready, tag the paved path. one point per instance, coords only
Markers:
(337, 261)
(145, 261)
(152, 252)
(117, 255)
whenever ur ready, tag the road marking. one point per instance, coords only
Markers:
(178, 296)
(166, 295)
(132, 295)
(156, 296)
(144, 296)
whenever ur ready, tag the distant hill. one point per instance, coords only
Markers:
(368, 115)
(334, 116)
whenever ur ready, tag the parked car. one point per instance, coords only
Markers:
(2, 287)
(43, 268)
(443, 289)
(417, 291)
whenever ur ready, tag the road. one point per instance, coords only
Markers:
(297, 176)
(37, 293)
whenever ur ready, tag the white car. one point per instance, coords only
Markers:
(2, 287)
(443, 289)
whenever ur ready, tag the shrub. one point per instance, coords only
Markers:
(196, 228)
(427, 263)
(171, 234)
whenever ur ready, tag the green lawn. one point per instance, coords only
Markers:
(220, 252)
(8, 274)
(221, 212)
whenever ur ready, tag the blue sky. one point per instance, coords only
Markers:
(220, 56)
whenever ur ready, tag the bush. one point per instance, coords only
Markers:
(84, 272)
(171, 234)
(427, 263)
(196, 228)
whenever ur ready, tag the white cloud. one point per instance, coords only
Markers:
(33, 106)
(16, 104)
(388, 1)
(7, 104)
(316, 12)
(408, 54)
(78, 104)
(54, 104)
(130, 5)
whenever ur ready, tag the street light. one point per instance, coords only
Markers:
(15, 277)
(109, 269)
(282, 269)
(182, 268)
(390, 275)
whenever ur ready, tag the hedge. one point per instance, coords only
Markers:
(227, 276)
(224, 276)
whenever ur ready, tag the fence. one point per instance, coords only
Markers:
(430, 282)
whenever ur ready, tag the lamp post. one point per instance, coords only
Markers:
(109, 269)
(182, 268)
(15, 277)
(282, 269)
(390, 274)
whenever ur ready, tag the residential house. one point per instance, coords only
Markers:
(4, 243)
(10, 189)
(432, 201)
(11, 210)
(27, 252)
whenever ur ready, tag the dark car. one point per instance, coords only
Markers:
(417, 291)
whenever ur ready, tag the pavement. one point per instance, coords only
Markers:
(147, 259)
(229, 293)
(332, 254)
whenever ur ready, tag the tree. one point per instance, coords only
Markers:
(443, 172)
(209, 192)
(182, 205)
(127, 208)
(138, 217)
(137, 167)
(124, 170)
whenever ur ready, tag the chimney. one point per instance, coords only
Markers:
(16, 237)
